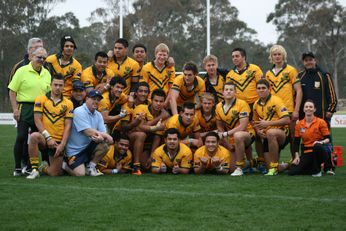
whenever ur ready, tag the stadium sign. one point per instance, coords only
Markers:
(338, 121)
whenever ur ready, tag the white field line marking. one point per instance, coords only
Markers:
(174, 192)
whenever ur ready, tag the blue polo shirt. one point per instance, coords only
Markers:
(82, 120)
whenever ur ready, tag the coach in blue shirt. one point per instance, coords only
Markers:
(88, 141)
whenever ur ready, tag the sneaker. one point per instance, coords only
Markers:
(272, 172)
(33, 175)
(43, 167)
(136, 172)
(17, 172)
(237, 172)
(93, 172)
(262, 169)
(319, 174)
(330, 172)
(248, 168)
(26, 170)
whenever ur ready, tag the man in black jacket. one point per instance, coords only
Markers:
(317, 85)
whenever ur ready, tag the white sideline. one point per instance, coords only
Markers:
(337, 121)
(183, 193)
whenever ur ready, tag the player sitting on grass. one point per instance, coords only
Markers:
(172, 156)
(212, 157)
(118, 158)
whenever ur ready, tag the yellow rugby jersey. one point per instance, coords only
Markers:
(146, 115)
(157, 79)
(145, 110)
(273, 109)
(128, 69)
(183, 158)
(239, 109)
(206, 125)
(221, 152)
(91, 79)
(176, 122)
(71, 71)
(129, 116)
(246, 82)
(112, 158)
(54, 115)
(108, 103)
(218, 87)
(282, 84)
(185, 94)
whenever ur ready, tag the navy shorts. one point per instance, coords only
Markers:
(83, 157)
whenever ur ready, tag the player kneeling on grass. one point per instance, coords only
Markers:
(172, 156)
(118, 158)
(232, 121)
(53, 118)
(270, 120)
(88, 142)
(212, 157)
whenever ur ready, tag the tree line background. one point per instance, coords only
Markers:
(316, 25)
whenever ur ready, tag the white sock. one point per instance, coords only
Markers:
(64, 165)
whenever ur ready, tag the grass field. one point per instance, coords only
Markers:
(157, 202)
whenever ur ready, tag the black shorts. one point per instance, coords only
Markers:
(83, 157)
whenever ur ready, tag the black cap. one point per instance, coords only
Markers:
(94, 93)
(78, 85)
(65, 39)
(308, 54)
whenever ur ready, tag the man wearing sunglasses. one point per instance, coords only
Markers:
(28, 82)
(33, 44)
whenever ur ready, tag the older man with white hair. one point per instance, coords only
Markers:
(28, 82)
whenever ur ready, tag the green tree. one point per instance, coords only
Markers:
(19, 21)
(314, 25)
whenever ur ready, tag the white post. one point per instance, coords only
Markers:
(121, 20)
(208, 27)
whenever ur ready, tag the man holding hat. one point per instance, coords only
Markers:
(65, 64)
(88, 142)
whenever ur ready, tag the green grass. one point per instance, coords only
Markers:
(157, 202)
